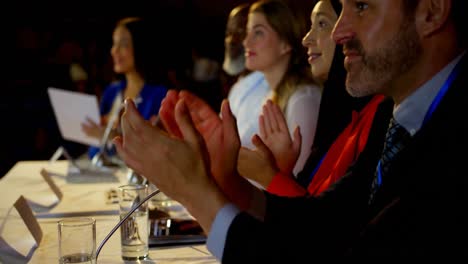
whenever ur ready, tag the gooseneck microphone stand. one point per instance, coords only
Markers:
(123, 220)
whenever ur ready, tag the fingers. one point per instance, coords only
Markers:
(187, 128)
(199, 109)
(231, 138)
(260, 145)
(297, 141)
(278, 116)
(85, 127)
(132, 125)
(166, 113)
(154, 120)
(138, 138)
(172, 96)
(192, 101)
(90, 122)
(231, 133)
(267, 122)
(124, 155)
(205, 119)
(272, 119)
(131, 120)
(261, 124)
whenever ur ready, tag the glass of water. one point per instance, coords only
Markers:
(134, 231)
(77, 240)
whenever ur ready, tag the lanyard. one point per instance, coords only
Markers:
(312, 174)
(443, 90)
(441, 93)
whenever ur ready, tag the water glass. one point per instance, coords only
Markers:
(77, 240)
(134, 232)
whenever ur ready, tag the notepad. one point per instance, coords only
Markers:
(71, 110)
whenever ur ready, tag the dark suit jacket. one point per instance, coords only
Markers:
(421, 209)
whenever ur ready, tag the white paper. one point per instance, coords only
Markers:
(71, 110)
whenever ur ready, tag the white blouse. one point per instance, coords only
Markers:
(249, 94)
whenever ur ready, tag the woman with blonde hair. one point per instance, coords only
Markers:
(273, 47)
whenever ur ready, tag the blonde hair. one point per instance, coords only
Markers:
(291, 29)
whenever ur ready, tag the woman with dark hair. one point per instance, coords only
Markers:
(141, 76)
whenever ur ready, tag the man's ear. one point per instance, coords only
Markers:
(285, 47)
(431, 15)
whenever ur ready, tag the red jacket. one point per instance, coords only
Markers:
(343, 152)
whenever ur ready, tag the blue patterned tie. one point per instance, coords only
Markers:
(395, 140)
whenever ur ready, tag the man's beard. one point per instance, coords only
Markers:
(375, 72)
(233, 66)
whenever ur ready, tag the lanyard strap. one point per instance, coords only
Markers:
(443, 90)
(441, 93)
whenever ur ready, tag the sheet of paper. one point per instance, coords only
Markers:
(71, 110)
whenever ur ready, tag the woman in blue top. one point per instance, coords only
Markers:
(143, 77)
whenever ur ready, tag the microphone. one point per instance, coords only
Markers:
(123, 220)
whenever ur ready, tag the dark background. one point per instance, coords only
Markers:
(43, 38)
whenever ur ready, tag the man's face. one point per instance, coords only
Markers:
(380, 42)
(235, 34)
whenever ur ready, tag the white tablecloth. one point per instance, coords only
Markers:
(78, 199)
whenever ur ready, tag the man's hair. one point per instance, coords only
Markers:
(459, 8)
(457, 13)
(240, 10)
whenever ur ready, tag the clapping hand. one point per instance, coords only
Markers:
(92, 129)
(275, 151)
(275, 135)
(221, 138)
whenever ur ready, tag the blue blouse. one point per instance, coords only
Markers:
(148, 102)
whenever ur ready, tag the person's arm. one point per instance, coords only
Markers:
(284, 143)
(276, 138)
(283, 185)
(179, 167)
(217, 236)
(260, 167)
(221, 142)
(295, 230)
(221, 224)
(329, 223)
(275, 152)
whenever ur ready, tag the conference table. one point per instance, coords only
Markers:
(81, 196)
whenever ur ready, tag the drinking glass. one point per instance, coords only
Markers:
(134, 231)
(77, 240)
